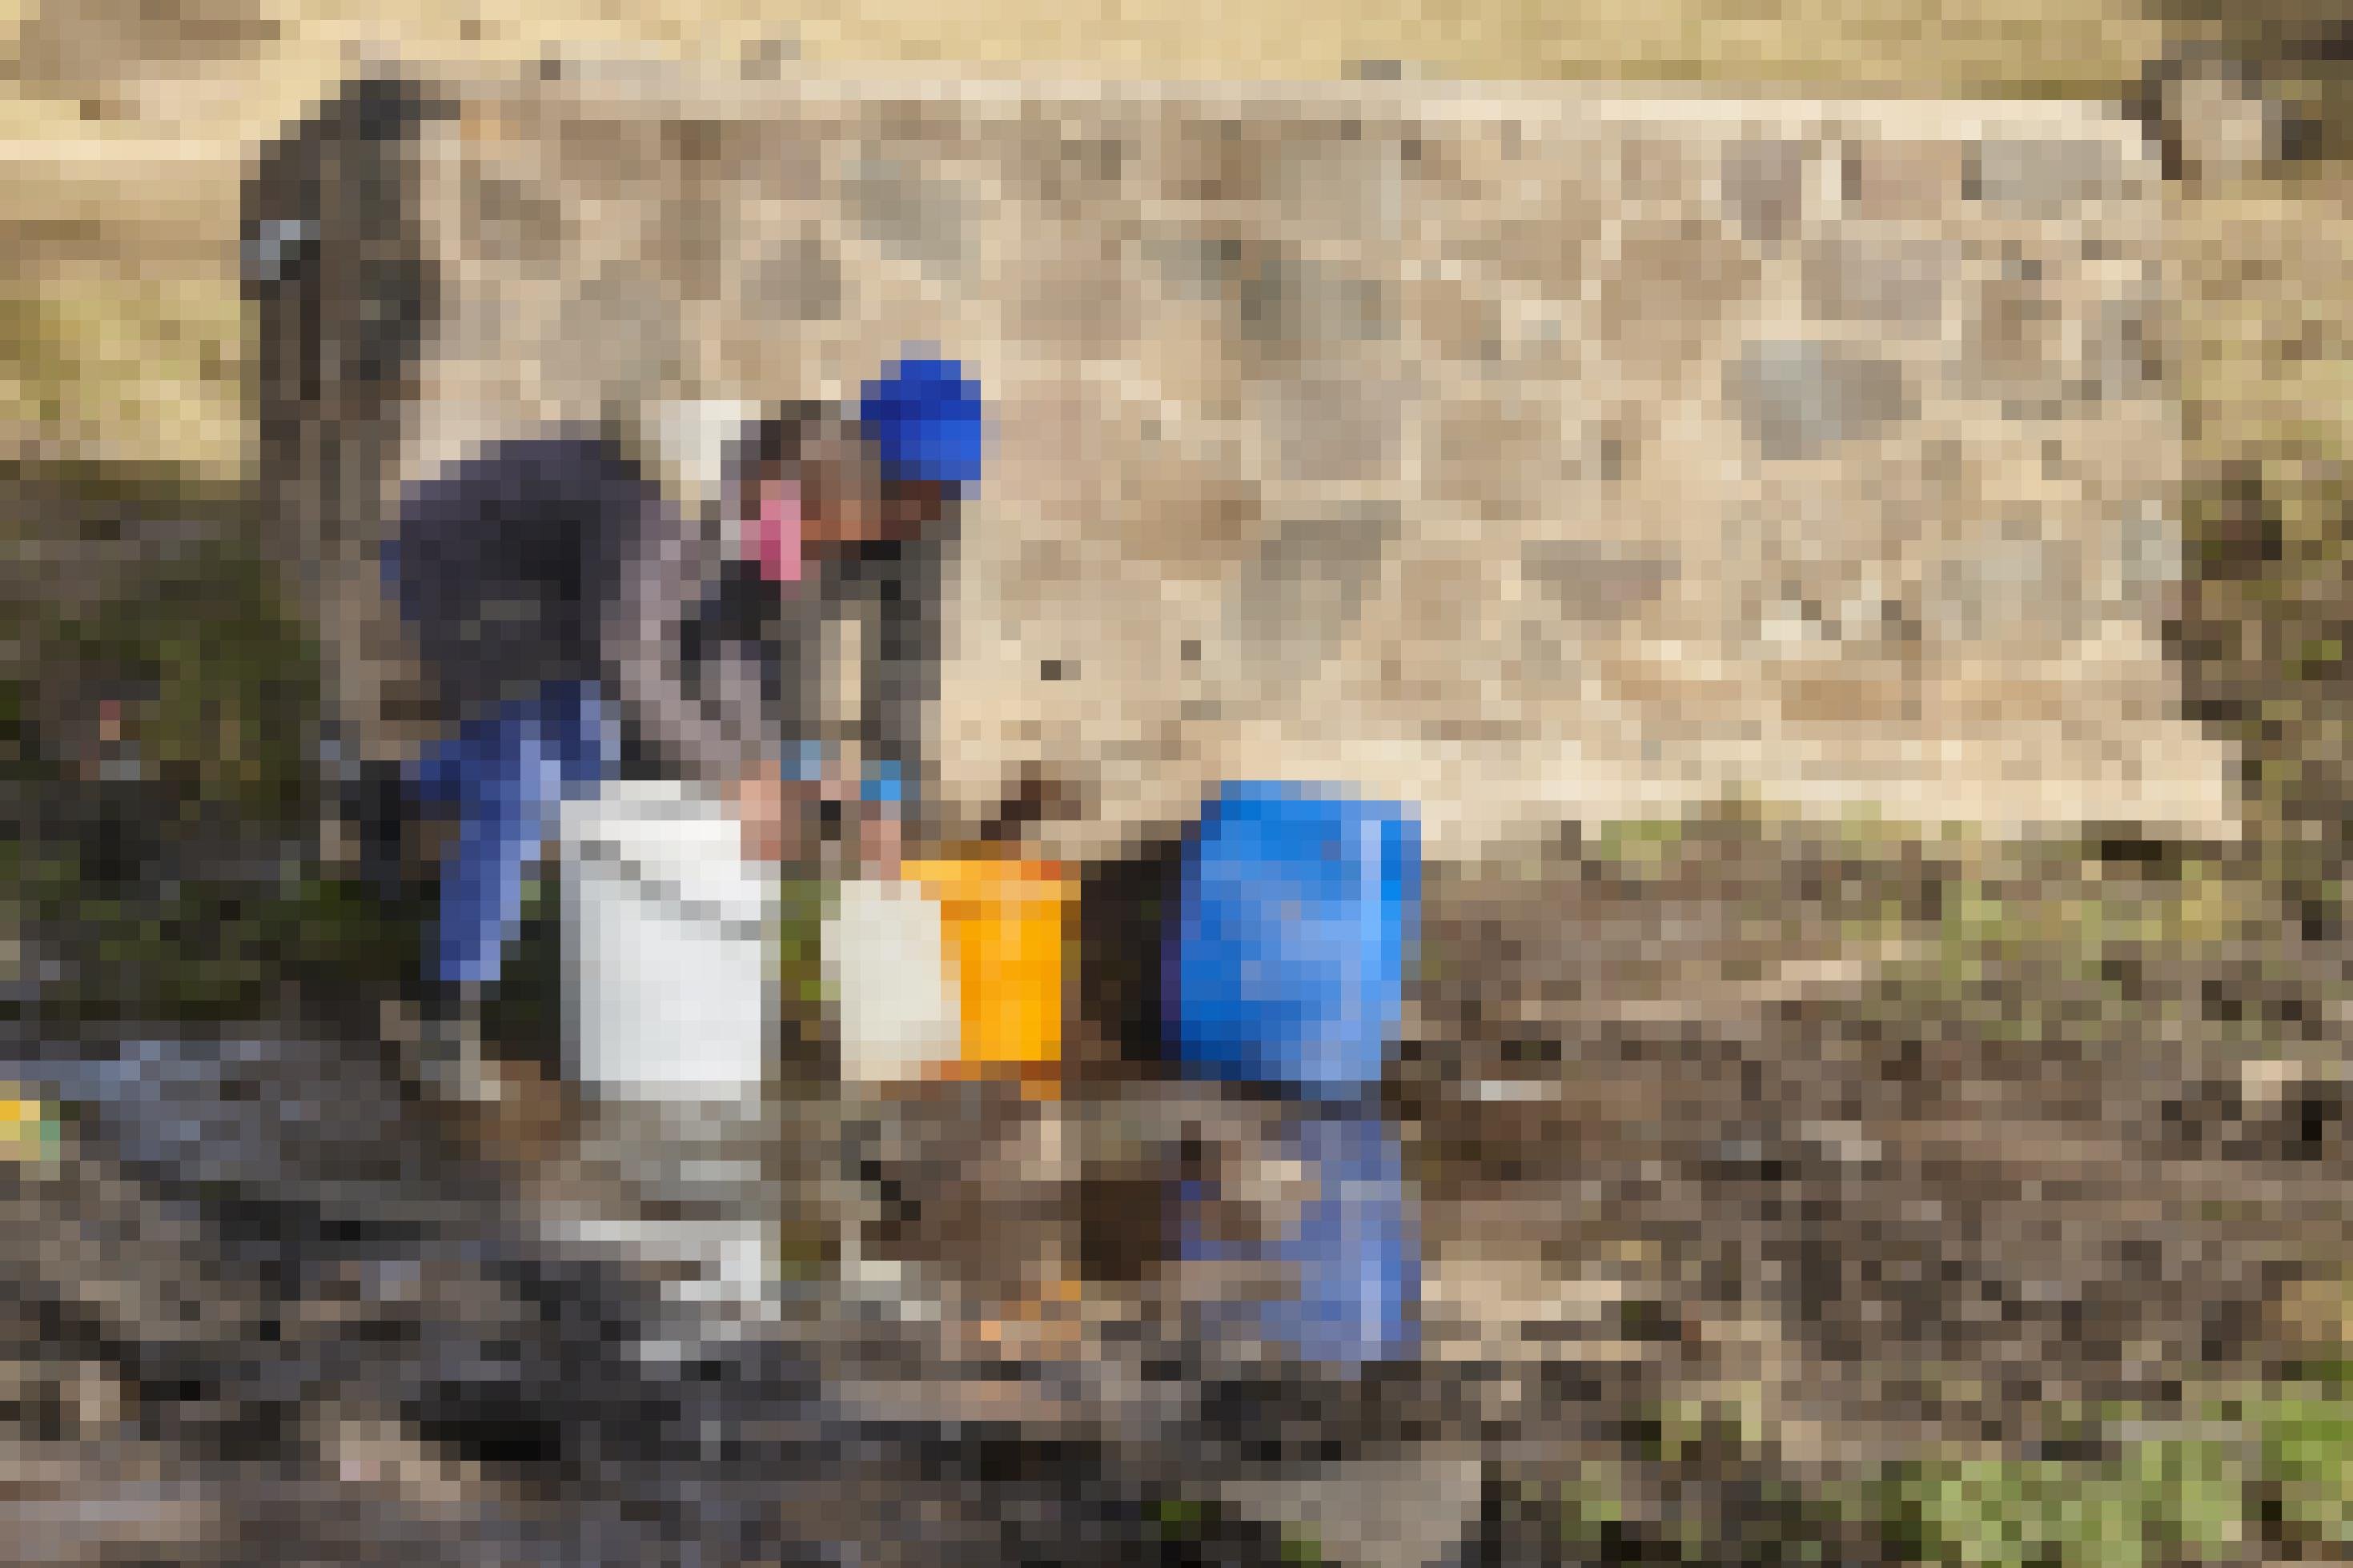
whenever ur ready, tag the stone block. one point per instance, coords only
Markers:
(1798, 399)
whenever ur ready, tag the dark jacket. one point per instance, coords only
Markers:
(557, 558)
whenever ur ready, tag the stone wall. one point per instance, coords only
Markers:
(1530, 455)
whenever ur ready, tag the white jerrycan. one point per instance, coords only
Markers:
(886, 958)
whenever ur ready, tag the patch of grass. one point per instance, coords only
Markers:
(1648, 847)
(1179, 1519)
(2057, 919)
(2234, 1467)
(132, 362)
(1591, 1508)
(2246, 1466)
(2304, 1434)
(2076, 927)
(211, 953)
(1688, 1430)
(217, 688)
(1303, 1547)
(1637, 849)
(78, 487)
(1196, 1531)
(227, 682)
(2265, 351)
(2263, 643)
(1974, 904)
(2164, 1497)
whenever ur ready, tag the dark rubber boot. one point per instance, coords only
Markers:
(440, 1047)
(378, 809)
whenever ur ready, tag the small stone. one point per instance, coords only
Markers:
(1764, 185)
(639, 341)
(1797, 400)
(909, 215)
(1901, 181)
(1278, 299)
(2266, 1083)
(2043, 177)
(799, 280)
(2121, 355)
(1336, 428)
(1595, 581)
(765, 59)
(1375, 1513)
(517, 225)
(1309, 581)
(1865, 280)
(1346, 186)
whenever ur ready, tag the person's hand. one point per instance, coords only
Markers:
(772, 813)
(758, 802)
(881, 838)
(838, 786)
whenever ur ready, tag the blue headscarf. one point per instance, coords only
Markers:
(923, 418)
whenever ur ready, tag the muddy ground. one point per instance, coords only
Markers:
(1740, 1182)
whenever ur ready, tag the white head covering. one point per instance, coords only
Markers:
(689, 445)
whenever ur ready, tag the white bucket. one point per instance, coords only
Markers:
(671, 981)
(886, 959)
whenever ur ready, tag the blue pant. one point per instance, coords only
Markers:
(504, 773)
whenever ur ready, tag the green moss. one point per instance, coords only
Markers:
(1592, 1507)
(1178, 1518)
(1303, 1546)
(800, 931)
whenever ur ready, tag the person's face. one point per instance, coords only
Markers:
(840, 495)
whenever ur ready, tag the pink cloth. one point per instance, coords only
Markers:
(777, 535)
